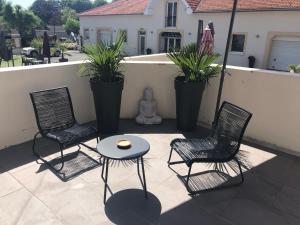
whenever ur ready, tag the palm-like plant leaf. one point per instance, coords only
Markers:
(294, 68)
(194, 66)
(103, 60)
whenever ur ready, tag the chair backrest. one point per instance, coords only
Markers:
(231, 124)
(53, 109)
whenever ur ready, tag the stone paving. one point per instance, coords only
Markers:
(30, 193)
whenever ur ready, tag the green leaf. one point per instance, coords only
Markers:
(194, 66)
(103, 60)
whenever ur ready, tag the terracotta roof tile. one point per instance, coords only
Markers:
(120, 7)
(193, 4)
(127, 7)
(224, 5)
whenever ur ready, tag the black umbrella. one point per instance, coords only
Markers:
(46, 47)
(4, 53)
(225, 57)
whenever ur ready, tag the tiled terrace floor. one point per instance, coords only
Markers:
(32, 194)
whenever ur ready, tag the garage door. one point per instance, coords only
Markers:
(284, 51)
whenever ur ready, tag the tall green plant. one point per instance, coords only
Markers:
(195, 66)
(37, 43)
(104, 59)
(294, 68)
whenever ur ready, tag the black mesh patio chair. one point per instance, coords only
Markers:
(220, 147)
(56, 121)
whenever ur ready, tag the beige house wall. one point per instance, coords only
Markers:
(258, 27)
(272, 97)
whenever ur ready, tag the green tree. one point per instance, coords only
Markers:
(8, 15)
(68, 13)
(98, 3)
(72, 25)
(2, 3)
(46, 9)
(77, 5)
(25, 21)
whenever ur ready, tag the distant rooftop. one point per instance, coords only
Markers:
(128, 7)
(120, 7)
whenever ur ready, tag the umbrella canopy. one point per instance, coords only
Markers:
(46, 46)
(212, 29)
(2, 44)
(4, 52)
(207, 42)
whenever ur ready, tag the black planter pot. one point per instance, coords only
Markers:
(63, 60)
(107, 99)
(188, 100)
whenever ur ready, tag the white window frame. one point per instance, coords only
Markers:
(168, 42)
(244, 46)
(173, 20)
(145, 36)
(162, 42)
(84, 34)
(105, 30)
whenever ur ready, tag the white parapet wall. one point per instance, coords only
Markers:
(272, 97)
(16, 115)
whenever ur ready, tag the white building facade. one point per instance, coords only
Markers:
(271, 35)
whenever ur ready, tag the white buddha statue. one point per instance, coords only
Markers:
(147, 109)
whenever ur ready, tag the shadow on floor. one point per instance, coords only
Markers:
(269, 195)
(75, 163)
(130, 207)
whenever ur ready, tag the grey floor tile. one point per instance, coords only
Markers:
(8, 183)
(248, 212)
(33, 194)
(288, 201)
(21, 207)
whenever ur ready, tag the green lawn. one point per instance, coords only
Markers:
(17, 60)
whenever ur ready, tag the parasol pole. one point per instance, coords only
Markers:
(223, 71)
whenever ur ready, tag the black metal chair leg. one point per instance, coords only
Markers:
(175, 162)
(170, 155)
(241, 171)
(61, 159)
(34, 142)
(44, 160)
(105, 180)
(144, 178)
(188, 178)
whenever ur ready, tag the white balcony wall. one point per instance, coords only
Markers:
(16, 115)
(272, 97)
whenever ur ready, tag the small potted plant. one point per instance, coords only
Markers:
(196, 70)
(294, 68)
(63, 49)
(107, 81)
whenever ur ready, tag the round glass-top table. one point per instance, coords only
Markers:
(109, 150)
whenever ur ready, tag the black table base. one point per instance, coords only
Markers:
(104, 175)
